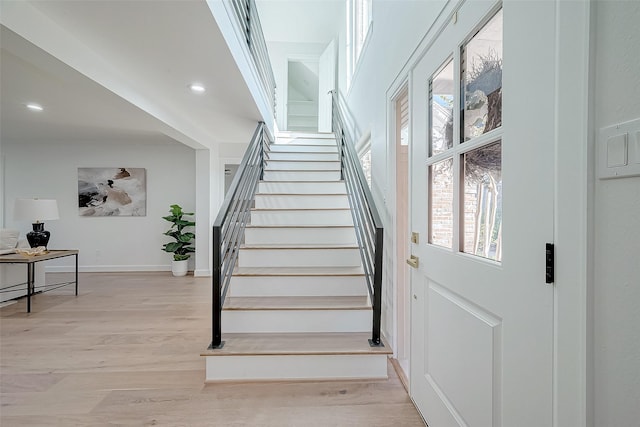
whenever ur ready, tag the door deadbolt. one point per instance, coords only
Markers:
(413, 261)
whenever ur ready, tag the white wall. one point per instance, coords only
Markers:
(616, 314)
(398, 27)
(105, 243)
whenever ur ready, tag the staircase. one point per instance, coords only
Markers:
(297, 305)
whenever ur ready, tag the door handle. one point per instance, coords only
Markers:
(413, 261)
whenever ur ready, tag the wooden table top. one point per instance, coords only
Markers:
(25, 259)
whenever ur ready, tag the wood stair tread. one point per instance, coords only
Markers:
(303, 145)
(308, 151)
(297, 344)
(299, 271)
(301, 161)
(301, 194)
(300, 209)
(301, 135)
(299, 246)
(302, 170)
(280, 181)
(298, 303)
(297, 226)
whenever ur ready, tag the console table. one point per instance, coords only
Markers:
(30, 261)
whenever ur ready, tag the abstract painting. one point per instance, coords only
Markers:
(112, 191)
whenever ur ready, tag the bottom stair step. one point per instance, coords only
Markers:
(296, 356)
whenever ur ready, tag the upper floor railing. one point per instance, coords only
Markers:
(366, 219)
(228, 228)
(247, 14)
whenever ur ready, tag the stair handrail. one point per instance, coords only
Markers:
(229, 225)
(366, 219)
(246, 12)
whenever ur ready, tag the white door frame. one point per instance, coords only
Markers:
(285, 86)
(326, 83)
(392, 96)
(574, 211)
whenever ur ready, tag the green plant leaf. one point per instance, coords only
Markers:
(170, 218)
(186, 237)
(184, 223)
(172, 246)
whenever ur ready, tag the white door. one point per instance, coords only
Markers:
(327, 78)
(482, 201)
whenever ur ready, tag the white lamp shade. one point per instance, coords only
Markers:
(36, 209)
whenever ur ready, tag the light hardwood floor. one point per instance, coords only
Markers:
(126, 352)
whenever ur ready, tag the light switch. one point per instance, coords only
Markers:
(617, 150)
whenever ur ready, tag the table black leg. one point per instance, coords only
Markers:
(30, 278)
(76, 274)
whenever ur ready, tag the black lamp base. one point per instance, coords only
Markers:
(39, 236)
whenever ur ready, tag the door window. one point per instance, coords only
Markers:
(441, 110)
(441, 203)
(465, 147)
(481, 75)
(482, 201)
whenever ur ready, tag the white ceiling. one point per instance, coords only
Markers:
(76, 108)
(154, 50)
(127, 78)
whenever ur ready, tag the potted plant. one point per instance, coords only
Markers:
(181, 248)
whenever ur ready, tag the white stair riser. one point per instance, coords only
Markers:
(303, 149)
(298, 201)
(299, 257)
(284, 321)
(302, 175)
(301, 217)
(295, 367)
(306, 165)
(297, 286)
(281, 187)
(302, 156)
(305, 140)
(299, 235)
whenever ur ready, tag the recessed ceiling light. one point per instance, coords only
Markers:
(197, 88)
(34, 107)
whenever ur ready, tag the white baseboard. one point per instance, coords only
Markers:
(105, 268)
(118, 269)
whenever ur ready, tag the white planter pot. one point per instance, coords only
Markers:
(179, 268)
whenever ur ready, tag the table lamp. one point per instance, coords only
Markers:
(36, 210)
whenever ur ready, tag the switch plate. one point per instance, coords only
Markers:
(619, 150)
